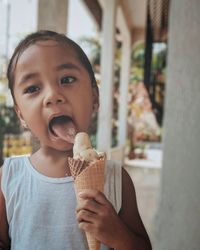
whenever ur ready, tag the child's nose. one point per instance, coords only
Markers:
(53, 97)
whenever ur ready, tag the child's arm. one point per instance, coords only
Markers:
(96, 215)
(130, 216)
(4, 238)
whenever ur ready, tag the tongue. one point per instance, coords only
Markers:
(65, 130)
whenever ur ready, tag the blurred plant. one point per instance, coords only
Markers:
(159, 59)
(10, 120)
(9, 124)
(137, 63)
(136, 79)
(138, 55)
(92, 45)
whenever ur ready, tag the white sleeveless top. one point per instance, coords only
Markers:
(41, 210)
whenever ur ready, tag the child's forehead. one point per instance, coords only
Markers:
(52, 45)
(50, 48)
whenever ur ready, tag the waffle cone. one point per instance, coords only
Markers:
(92, 177)
(76, 166)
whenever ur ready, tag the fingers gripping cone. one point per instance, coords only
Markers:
(91, 177)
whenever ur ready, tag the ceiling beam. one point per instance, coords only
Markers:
(95, 9)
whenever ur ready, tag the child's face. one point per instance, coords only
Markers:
(50, 81)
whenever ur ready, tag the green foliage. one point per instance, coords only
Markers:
(136, 73)
(138, 56)
(93, 46)
(9, 121)
(159, 59)
(9, 124)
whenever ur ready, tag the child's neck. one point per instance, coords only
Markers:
(51, 163)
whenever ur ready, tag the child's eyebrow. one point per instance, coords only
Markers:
(68, 66)
(30, 76)
(27, 77)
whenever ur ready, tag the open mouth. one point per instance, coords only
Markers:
(63, 127)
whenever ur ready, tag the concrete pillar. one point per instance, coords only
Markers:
(124, 78)
(178, 217)
(107, 69)
(52, 15)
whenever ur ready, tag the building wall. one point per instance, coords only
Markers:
(178, 216)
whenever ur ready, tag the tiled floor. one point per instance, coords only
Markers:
(147, 186)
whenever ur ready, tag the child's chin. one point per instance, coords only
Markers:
(65, 147)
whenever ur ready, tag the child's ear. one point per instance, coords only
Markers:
(95, 99)
(19, 114)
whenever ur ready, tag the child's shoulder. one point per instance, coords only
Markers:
(113, 170)
(13, 164)
(117, 168)
(118, 183)
(113, 183)
(113, 165)
(12, 171)
(14, 161)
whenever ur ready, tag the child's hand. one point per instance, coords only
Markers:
(96, 215)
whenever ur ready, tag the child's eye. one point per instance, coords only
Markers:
(67, 80)
(31, 89)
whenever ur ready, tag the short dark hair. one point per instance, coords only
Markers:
(45, 35)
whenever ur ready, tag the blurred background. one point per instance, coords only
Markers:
(144, 95)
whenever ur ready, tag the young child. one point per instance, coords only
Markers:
(54, 90)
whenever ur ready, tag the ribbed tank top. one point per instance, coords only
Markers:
(41, 210)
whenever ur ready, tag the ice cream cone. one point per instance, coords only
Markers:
(91, 177)
(76, 166)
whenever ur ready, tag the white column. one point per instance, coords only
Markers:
(52, 15)
(107, 70)
(124, 82)
(124, 78)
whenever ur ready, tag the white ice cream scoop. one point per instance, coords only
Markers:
(83, 149)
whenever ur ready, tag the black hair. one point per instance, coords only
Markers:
(45, 35)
